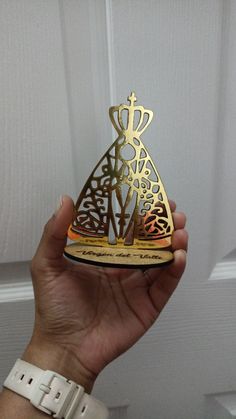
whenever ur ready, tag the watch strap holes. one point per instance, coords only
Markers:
(58, 395)
(84, 408)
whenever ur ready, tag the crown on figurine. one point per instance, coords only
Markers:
(130, 118)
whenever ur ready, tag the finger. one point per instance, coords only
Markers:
(172, 205)
(180, 240)
(54, 237)
(179, 219)
(162, 289)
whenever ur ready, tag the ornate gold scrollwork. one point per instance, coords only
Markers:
(123, 203)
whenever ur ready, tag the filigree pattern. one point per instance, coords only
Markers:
(123, 200)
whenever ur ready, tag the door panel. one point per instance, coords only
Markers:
(36, 155)
(64, 64)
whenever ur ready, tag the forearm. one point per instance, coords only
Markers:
(46, 357)
(13, 406)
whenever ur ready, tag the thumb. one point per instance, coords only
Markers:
(54, 236)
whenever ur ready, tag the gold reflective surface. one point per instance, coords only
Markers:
(123, 204)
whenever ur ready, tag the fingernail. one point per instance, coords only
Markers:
(59, 205)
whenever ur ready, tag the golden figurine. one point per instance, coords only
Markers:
(122, 216)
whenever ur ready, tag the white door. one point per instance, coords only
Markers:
(63, 63)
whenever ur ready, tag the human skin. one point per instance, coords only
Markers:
(86, 316)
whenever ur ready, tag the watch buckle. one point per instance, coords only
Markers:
(47, 383)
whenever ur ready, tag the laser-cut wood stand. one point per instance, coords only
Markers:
(122, 216)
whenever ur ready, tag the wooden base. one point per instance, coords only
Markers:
(127, 257)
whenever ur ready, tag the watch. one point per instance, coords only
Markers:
(53, 394)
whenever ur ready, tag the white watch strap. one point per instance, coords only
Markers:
(53, 394)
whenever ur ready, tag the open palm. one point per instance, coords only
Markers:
(98, 313)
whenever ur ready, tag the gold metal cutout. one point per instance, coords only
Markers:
(122, 216)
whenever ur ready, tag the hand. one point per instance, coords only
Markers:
(85, 316)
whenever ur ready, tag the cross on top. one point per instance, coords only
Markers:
(132, 98)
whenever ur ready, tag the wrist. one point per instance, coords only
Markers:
(60, 359)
